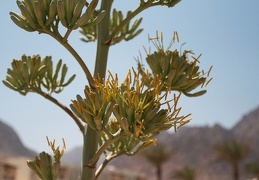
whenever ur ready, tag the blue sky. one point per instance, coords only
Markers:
(224, 32)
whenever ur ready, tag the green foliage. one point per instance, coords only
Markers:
(176, 71)
(127, 33)
(135, 106)
(253, 168)
(187, 173)
(44, 15)
(124, 145)
(232, 152)
(158, 154)
(31, 74)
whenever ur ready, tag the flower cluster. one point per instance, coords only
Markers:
(32, 73)
(136, 107)
(174, 69)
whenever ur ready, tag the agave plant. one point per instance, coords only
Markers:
(115, 116)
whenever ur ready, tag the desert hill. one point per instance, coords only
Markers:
(11, 144)
(193, 147)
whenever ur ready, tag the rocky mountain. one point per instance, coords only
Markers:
(193, 147)
(73, 156)
(11, 144)
(247, 129)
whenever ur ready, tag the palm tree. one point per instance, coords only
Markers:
(253, 168)
(157, 155)
(232, 152)
(187, 173)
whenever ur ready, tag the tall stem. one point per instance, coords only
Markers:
(91, 136)
(102, 45)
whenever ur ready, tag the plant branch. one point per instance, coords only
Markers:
(107, 132)
(66, 35)
(112, 156)
(141, 8)
(81, 63)
(107, 143)
(63, 41)
(108, 159)
(65, 108)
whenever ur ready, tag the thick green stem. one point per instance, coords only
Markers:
(91, 136)
(90, 140)
(102, 44)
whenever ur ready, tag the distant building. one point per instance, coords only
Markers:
(15, 168)
(69, 172)
(7, 171)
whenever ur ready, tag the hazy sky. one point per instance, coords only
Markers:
(224, 32)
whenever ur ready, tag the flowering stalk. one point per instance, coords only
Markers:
(114, 118)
